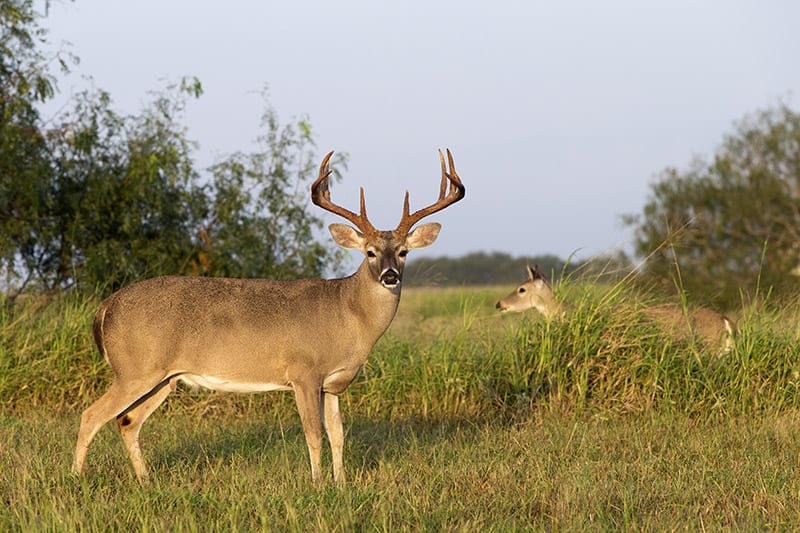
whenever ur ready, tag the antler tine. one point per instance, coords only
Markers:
(321, 196)
(443, 184)
(454, 194)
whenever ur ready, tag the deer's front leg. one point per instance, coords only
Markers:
(309, 401)
(333, 425)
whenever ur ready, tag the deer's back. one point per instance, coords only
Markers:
(182, 323)
(707, 324)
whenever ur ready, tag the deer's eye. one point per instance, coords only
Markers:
(370, 253)
(521, 290)
(402, 253)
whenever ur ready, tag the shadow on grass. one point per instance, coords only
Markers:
(368, 443)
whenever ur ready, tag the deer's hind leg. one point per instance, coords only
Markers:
(116, 400)
(131, 421)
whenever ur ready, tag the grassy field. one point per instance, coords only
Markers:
(463, 420)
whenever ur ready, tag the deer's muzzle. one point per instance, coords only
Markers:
(390, 277)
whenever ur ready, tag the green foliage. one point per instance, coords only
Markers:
(713, 222)
(100, 199)
(480, 268)
(24, 69)
(121, 200)
(25, 80)
(258, 224)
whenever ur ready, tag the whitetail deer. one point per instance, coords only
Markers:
(710, 327)
(251, 335)
(535, 293)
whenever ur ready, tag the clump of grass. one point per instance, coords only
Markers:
(47, 356)
(605, 355)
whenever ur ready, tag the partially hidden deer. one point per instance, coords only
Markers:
(310, 336)
(713, 329)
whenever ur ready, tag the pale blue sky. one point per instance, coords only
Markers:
(559, 114)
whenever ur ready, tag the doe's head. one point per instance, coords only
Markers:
(534, 293)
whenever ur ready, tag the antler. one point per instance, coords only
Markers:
(321, 195)
(455, 194)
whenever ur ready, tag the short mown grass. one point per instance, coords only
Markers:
(462, 420)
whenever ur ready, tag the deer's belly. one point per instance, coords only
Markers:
(226, 385)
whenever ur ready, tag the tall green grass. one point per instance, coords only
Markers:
(47, 357)
(605, 355)
(602, 356)
(450, 354)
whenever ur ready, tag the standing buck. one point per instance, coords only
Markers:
(713, 329)
(250, 335)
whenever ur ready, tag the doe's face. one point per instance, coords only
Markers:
(531, 294)
(534, 293)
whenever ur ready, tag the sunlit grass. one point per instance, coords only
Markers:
(549, 472)
(463, 419)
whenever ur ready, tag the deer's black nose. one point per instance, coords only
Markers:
(391, 277)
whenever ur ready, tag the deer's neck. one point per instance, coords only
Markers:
(367, 299)
(548, 309)
(547, 305)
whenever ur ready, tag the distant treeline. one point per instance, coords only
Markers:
(481, 268)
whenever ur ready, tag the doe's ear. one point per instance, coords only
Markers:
(346, 237)
(423, 235)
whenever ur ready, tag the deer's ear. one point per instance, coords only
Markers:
(531, 274)
(347, 237)
(423, 235)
